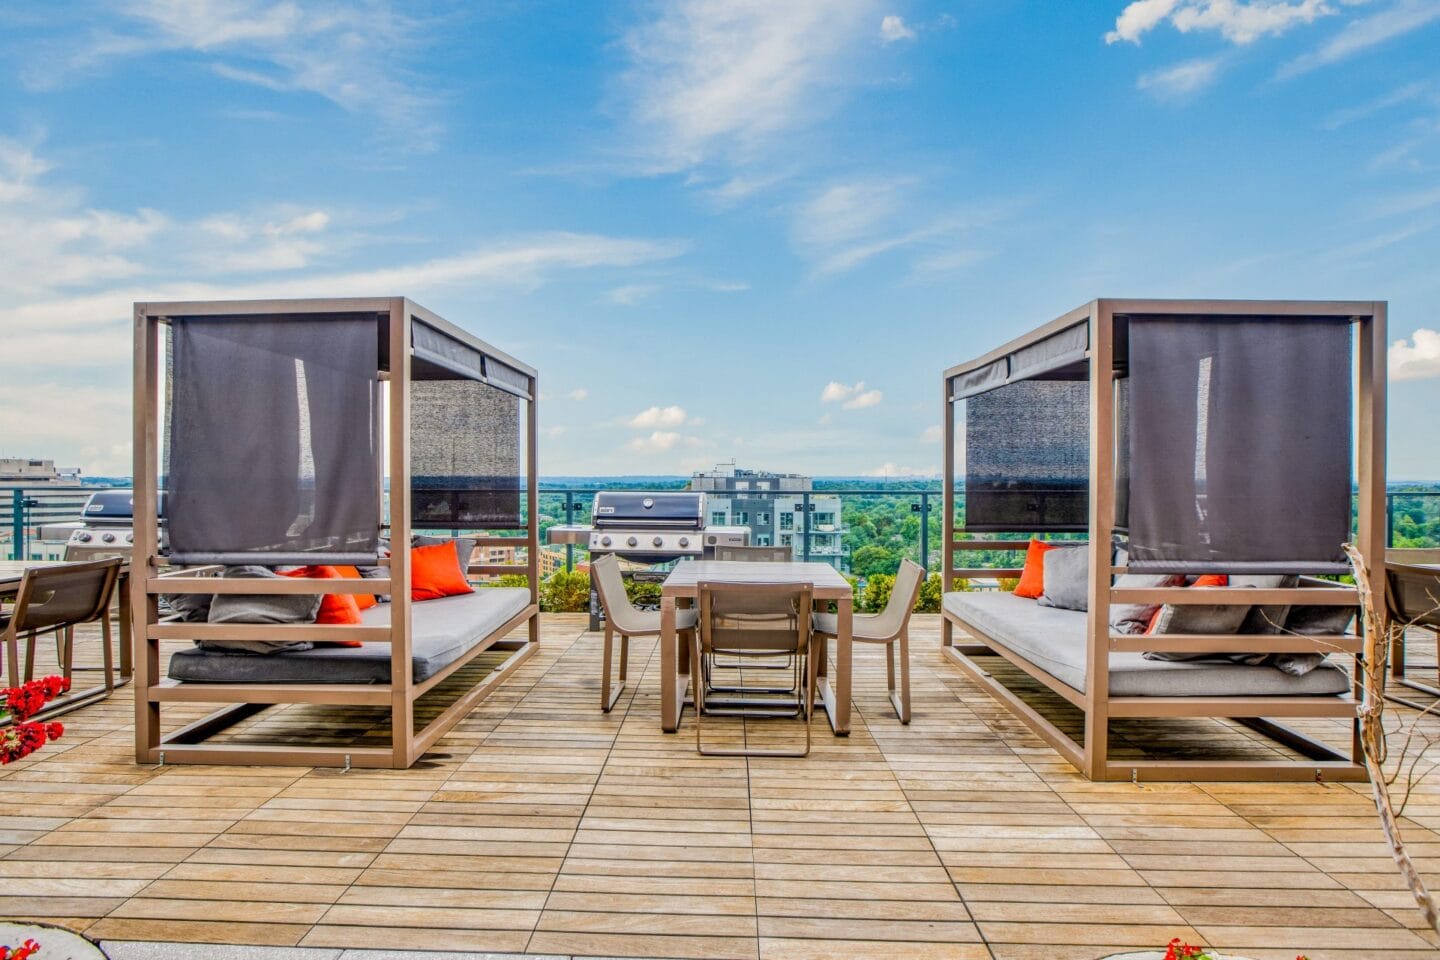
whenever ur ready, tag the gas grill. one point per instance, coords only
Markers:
(647, 528)
(106, 527)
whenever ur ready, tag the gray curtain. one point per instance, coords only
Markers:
(271, 451)
(464, 456)
(1027, 458)
(1239, 444)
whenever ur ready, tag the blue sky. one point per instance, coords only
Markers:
(720, 229)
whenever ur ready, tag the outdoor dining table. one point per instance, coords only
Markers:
(13, 571)
(681, 588)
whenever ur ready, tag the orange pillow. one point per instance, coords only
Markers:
(362, 600)
(335, 608)
(1208, 580)
(1032, 580)
(435, 572)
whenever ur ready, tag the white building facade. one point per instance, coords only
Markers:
(773, 506)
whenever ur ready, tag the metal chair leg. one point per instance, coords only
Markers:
(109, 654)
(607, 695)
(902, 707)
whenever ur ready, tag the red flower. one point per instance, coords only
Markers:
(26, 950)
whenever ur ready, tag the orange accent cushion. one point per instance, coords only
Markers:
(337, 609)
(435, 572)
(1032, 579)
(1208, 580)
(362, 600)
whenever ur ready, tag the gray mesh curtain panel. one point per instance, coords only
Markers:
(1027, 458)
(271, 453)
(464, 456)
(1240, 444)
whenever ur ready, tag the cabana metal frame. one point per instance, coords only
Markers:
(150, 578)
(1091, 756)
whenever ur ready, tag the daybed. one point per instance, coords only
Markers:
(317, 434)
(1183, 439)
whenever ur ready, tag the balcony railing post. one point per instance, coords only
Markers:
(17, 524)
(805, 523)
(925, 532)
(569, 518)
(1389, 519)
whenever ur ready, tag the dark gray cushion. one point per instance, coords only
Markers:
(1054, 640)
(1135, 617)
(1067, 579)
(442, 631)
(1311, 621)
(189, 607)
(260, 608)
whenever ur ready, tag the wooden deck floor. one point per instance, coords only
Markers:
(548, 827)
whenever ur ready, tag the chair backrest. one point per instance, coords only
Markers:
(1413, 594)
(64, 594)
(755, 617)
(755, 554)
(901, 604)
(610, 585)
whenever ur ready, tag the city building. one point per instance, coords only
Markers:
(773, 506)
(34, 495)
(22, 472)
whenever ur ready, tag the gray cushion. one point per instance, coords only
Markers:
(189, 607)
(1054, 640)
(1215, 618)
(1135, 617)
(442, 631)
(1311, 621)
(1067, 579)
(260, 608)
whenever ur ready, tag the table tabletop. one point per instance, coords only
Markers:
(685, 579)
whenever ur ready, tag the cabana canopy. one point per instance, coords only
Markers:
(281, 420)
(1184, 438)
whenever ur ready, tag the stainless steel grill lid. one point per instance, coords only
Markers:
(680, 510)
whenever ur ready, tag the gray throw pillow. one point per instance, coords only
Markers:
(1067, 579)
(260, 608)
(189, 607)
(1135, 617)
(1311, 621)
(1221, 619)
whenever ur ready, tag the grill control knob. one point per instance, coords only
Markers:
(129, 538)
(604, 541)
(85, 538)
(632, 542)
(658, 541)
(108, 538)
(684, 541)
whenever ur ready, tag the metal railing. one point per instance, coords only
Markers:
(871, 517)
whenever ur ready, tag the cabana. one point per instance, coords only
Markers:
(281, 420)
(1181, 438)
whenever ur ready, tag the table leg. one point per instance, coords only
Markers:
(127, 668)
(669, 674)
(843, 649)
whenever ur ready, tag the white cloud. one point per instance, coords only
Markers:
(844, 212)
(662, 440)
(671, 416)
(1180, 80)
(355, 55)
(893, 28)
(1238, 21)
(1139, 18)
(1363, 33)
(933, 434)
(1349, 115)
(721, 79)
(1417, 358)
(853, 397)
(631, 294)
(579, 393)
(554, 432)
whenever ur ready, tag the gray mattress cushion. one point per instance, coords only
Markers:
(1054, 640)
(442, 631)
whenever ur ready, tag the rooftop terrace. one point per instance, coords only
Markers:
(541, 825)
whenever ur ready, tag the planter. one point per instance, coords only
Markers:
(56, 943)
